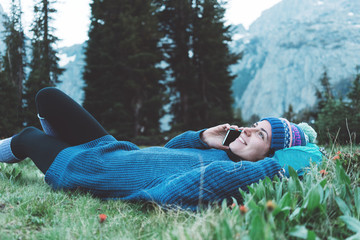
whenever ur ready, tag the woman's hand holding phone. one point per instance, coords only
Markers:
(214, 136)
(231, 135)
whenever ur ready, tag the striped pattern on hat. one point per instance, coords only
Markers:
(285, 134)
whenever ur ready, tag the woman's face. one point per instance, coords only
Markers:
(253, 144)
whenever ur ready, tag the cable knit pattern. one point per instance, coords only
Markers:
(6, 154)
(184, 173)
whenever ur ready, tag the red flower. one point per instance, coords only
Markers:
(323, 173)
(102, 217)
(338, 153)
(233, 205)
(243, 209)
(336, 157)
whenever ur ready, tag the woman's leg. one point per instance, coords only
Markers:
(61, 115)
(32, 143)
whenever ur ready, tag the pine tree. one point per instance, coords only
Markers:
(325, 93)
(332, 122)
(15, 55)
(199, 59)
(12, 77)
(354, 105)
(212, 58)
(123, 81)
(9, 120)
(354, 94)
(332, 115)
(44, 68)
(176, 19)
(289, 114)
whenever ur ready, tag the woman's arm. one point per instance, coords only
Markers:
(189, 139)
(213, 183)
(203, 139)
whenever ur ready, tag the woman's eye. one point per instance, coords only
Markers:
(261, 135)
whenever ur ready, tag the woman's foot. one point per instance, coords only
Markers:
(6, 155)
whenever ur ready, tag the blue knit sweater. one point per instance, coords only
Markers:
(185, 173)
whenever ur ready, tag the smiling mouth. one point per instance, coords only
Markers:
(242, 140)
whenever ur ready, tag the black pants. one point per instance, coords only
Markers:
(72, 123)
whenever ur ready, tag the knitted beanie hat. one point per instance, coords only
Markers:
(286, 134)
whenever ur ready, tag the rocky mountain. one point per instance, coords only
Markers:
(72, 60)
(288, 48)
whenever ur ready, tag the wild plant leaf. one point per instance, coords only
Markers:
(251, 189)
(276, 178)
(285, 201)
(300, 187)
(341, 174)
(243, 194)
(259, 191)
(296, 213)
(291, 186)
(267, 180)
(224, 230)
(343, 206)
(269, 188)
(320, 190)
(323, 183)
(308, 181)
(344, 182)
(285, 211)
(352, 223)
(224, 205)
(279, 189)
(311, 235)
(313, 198)
(295, 188)
(354, 237)
(357, 201)
(293, 173)
(283, 205)
(327, 193)
(257, 227)
(299, 231)
(253, 205)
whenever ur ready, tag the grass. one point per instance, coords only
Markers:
(324, 205)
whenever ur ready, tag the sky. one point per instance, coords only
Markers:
(72, 18)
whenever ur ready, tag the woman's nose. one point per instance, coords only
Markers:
(247, 131)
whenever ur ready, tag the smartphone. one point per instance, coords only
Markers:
(231, 135)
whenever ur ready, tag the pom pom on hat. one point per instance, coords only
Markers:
(286, 134)
(309, 131)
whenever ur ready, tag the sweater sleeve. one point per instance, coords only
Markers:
(189, 139)
(213, 183)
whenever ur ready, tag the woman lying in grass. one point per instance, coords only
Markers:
(191, 170)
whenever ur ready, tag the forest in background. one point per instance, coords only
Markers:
(145, 56)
